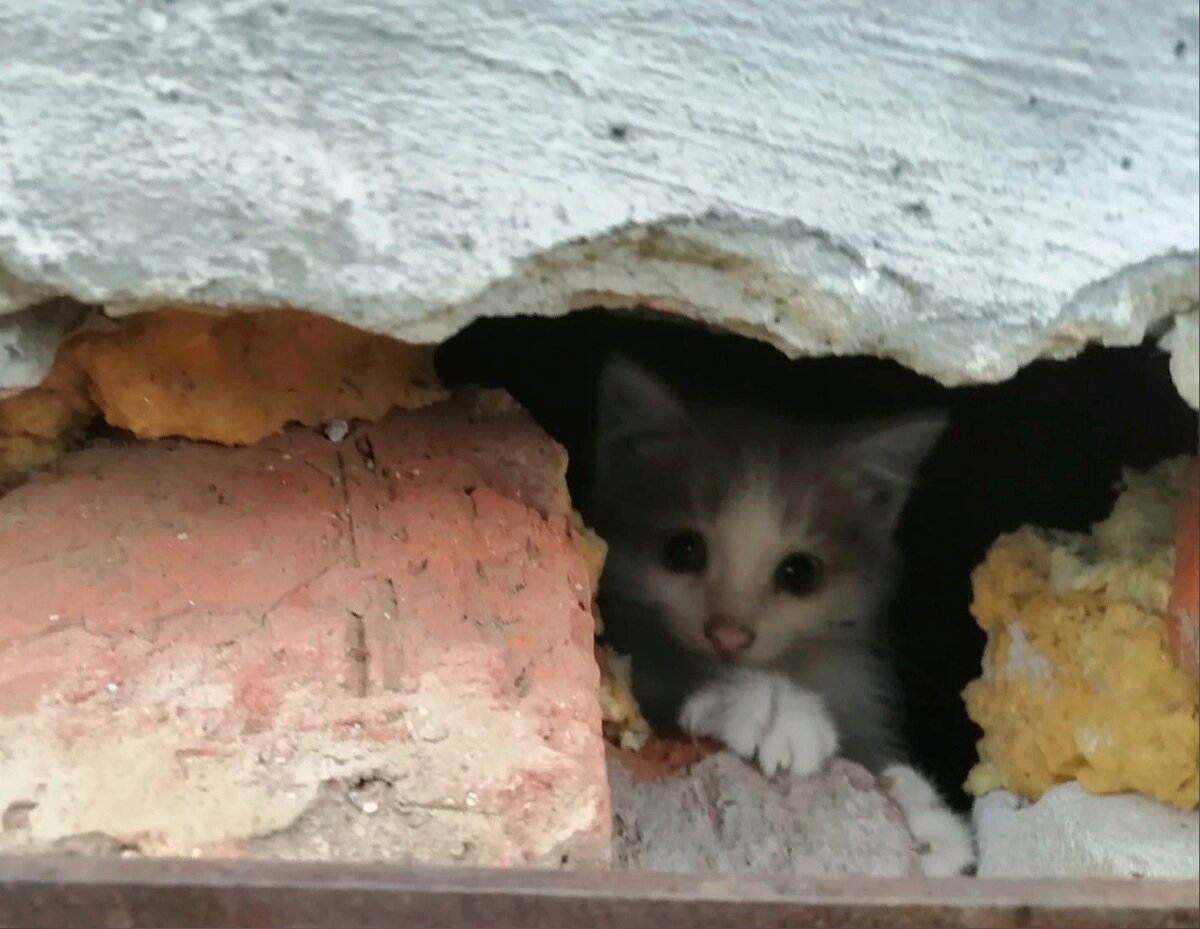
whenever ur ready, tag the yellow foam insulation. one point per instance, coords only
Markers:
(1078, 682)
(232, 379)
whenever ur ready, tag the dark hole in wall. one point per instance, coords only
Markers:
(1045, 448)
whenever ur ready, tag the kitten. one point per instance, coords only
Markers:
(749, 560)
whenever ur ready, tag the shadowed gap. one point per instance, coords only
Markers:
(1046, 447)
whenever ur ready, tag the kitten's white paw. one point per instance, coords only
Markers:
(948, 847)
(734, 709)
(766, 717)
(801, 736)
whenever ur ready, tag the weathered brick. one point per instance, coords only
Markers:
(224, 651)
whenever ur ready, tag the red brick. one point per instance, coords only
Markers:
(410, 601)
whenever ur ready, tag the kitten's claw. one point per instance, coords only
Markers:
(763, 716)
(948, 847)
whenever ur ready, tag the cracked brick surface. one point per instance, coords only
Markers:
(378, 648)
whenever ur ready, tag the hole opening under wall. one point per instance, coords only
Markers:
(1046, 448)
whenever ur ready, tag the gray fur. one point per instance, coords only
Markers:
(757, 487)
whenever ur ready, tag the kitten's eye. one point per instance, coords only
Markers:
(799, 574)
(684, 552)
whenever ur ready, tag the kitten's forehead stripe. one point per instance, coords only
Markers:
(759, 522)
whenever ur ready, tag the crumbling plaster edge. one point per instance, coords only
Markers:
(818, 297)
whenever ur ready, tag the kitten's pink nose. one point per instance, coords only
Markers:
(729, 639)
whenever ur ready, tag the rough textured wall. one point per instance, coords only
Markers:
(960, 186)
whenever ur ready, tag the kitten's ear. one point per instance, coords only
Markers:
(884, 460)
(636, 412)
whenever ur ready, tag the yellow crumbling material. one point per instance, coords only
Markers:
(1078, 682)
(31, 425)
(35, 424)
(230, 378)
(238, 378)
(624, 724)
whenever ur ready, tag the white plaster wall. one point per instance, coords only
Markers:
(960, 185)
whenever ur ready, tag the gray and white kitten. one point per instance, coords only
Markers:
(750, 558)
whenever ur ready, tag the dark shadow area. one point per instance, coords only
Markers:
(1045, 448)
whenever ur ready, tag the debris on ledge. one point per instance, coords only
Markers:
(1078, 677)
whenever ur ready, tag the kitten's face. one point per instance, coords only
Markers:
(748, 537)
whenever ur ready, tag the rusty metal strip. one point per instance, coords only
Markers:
(52, 892)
